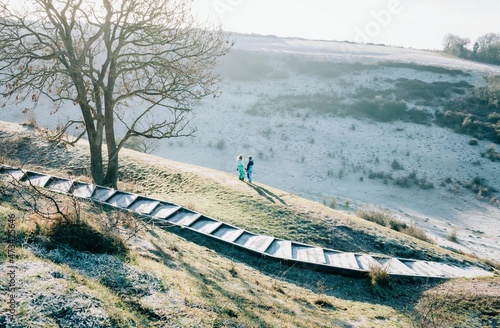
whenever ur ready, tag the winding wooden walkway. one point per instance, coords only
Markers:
(164, 214)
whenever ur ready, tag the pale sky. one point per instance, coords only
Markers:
(409, 23)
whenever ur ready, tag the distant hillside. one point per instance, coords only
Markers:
(174, 278)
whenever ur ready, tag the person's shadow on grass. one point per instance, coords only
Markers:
(270, 196)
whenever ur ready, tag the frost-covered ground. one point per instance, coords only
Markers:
(323, 157)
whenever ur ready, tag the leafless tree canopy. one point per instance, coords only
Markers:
(136, 63)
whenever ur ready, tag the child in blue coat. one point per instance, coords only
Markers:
(250, 169)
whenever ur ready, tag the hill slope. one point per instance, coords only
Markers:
(176, 279)
(348, 124)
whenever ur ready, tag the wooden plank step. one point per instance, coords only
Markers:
(184, 218)
(122, 199)
(16, 173)
(366, 262)
(396, 267)
(228, 233)
(205, 225)
(38, 180)
(449, 270)
(102, 194)
(280, 249)
(474, 272)
(341, 260)
(144, 206)
(256, 242)
(83, 190)
(60, 185)
(164, 211)
(421, 268)
(308, 253)
(460, 271)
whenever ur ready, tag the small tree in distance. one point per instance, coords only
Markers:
(129, 65)
(455, 45)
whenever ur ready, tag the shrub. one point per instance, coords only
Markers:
(403, 182)
(396, 165)
(387, 220)
(417, 232)
(397, 225)
(379, 218)
(381, 110)
(333, 202)
(379, 175)
(492, 154)
(453, 235)
(423, 183)
(473, 142)
(475, 114)
(379, 275)
(480, 187)
(418, 116)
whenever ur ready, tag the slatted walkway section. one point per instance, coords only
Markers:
(163, 214)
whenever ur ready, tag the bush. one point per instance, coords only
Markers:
(453, 235)
(379, 218)
(379, 175)
(473, 142)
(418, 116)
(480, 187)
(492, 154)
(396, 165)
(423, 183)
(381, 110)
(476, 113)
(397, 225)
(403, 182)
(417, 232)
(379, 275)
(387, 220)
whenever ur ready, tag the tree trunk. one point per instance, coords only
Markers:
(96, 168)
(111, 178)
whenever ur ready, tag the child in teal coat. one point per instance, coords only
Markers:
(240, 168)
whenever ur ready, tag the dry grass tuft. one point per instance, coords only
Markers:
(379, 275)
(453, 235)
(386, 220)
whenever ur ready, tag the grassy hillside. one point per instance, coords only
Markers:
(175, 278)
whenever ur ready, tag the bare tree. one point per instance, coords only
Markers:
(144, 145)
(487, 48)
(128, 65)
(455, 45)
